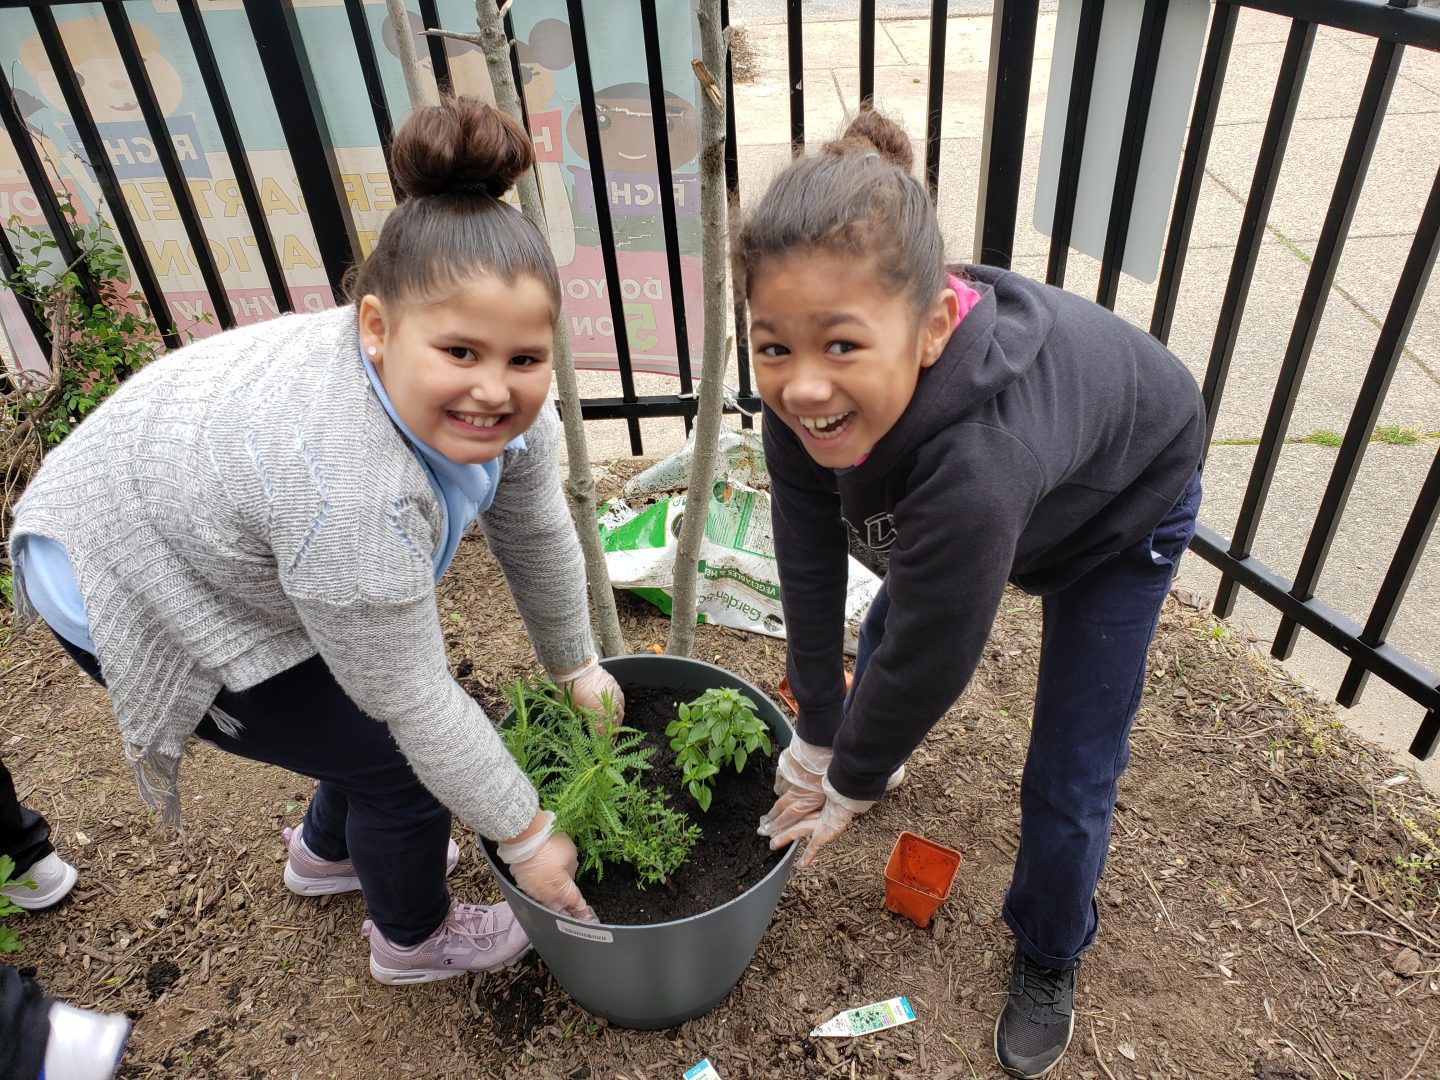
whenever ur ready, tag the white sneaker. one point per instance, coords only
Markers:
(896, 779)
(84, 1045)
(53, 878)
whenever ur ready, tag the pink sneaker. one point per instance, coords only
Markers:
(473, 937)
(306, 874)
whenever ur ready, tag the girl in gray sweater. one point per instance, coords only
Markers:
(243, 542)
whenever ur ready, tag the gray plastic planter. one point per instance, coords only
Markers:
(659, 975)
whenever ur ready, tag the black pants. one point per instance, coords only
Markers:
(369, 806)
(24, 834)
(24, 1026)
(24, 1011)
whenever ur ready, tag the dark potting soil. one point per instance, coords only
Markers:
(730, 855)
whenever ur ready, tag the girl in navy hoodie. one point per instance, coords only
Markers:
(970, 428)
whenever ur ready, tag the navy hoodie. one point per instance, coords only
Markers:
(1048, 437)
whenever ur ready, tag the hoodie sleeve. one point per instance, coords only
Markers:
(957, 531)
(811, 553)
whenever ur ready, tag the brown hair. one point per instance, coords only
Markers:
(451, 164)
(856, 197)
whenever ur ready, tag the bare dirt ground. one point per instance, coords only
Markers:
(1269, 910)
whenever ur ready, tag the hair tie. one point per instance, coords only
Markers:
(870, 154)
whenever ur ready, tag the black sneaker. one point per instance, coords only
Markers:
(1034, 1028)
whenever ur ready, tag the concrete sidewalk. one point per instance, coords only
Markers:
(1399, 179)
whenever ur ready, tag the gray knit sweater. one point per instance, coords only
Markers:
(245, 503)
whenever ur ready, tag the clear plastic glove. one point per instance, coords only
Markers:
(822, 824)
(544, 867)
(799, 775)
(591, 686)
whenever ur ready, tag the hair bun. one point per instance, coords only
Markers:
(461, 146)
(871, 130)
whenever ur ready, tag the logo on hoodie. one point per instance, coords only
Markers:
(880, 531)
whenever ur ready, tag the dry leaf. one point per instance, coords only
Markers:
(1126, 1051)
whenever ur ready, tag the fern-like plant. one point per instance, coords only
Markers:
(589, 775)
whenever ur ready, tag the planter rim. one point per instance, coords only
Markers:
(789, 855)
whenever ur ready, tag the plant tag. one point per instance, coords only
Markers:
(580, 930)
(703, 1071)
(883, 1014)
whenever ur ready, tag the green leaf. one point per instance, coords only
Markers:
(9, 941)
(740, 758)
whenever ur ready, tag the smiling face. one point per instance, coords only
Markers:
(627, 133)
(97, 66)
(468, 372)
(835, 356)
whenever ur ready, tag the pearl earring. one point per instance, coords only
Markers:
(372, 350)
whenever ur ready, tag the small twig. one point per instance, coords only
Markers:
(1313, 916)
(1421, 1056)
(1376, 934)
(469, 39)
(708, 83)
(1296, 930)
(1095, 1042)
(1163, 910)
(1392, 917)
(1318, 1049)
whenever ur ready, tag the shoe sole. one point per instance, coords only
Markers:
(1035, 1075)
(413, 976)
(31, 900)
(326, 886)
(329, 886)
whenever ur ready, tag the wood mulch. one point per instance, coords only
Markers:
(1269, 909)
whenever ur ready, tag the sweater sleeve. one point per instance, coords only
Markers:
(532, 536)
(390, 659)
(811, 554)
(957, 531)
(357, 568)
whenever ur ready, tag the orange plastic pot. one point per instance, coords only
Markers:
(918, 877)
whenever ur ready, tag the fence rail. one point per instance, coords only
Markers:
(1393, 28)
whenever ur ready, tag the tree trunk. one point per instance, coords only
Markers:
(415, 86)
(712, 370)
(580, 483)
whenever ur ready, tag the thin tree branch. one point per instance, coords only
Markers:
(580, 483)
(711, 70)
(416, 88)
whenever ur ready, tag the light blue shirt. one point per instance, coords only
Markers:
(464, 492)
(49, 582)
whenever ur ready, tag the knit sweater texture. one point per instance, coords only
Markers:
(245, 503)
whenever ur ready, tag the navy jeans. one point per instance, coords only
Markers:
(369, 806)
(1094, 644)
(24, 1025)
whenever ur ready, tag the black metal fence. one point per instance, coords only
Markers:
(1394, 28)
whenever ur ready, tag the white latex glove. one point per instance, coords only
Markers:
(590, 687)
(544, 867)
(799, 776)
(822, 824)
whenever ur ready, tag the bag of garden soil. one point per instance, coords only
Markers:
(739, 585)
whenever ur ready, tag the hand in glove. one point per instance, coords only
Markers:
(822, 823)
(544, 866)
(590, 687)
(798, 777)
